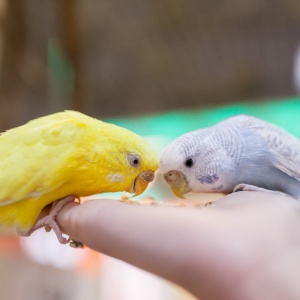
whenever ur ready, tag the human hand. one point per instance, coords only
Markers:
(245, 246)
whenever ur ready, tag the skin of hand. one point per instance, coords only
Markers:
(245, 246)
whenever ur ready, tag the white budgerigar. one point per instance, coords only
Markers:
(239, 153)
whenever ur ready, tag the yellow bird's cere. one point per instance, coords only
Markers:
(67, 154)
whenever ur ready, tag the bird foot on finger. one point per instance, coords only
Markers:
(49, 222)
(248, 187)
(253, 188)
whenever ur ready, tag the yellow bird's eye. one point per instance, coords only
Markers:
(134, 160)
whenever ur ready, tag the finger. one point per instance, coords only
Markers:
(161, 240)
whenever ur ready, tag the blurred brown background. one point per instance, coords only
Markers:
(111, 58)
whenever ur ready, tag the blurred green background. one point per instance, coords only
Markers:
(159, 68)
(284, 112)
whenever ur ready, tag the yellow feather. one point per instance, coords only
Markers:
(66, 153)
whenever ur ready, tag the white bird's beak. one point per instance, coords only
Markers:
(140, 184)
(177, 183)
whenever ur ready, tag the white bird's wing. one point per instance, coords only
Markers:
(284, 147)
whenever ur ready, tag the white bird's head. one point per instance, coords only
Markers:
(193, 163)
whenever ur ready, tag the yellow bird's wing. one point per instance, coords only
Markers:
(33, 157)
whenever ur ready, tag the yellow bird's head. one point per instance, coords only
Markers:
(129, 159)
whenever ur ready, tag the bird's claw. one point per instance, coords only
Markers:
(252, 188)
(248, 187)
(49, 222)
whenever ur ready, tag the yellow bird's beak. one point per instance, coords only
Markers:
(140, 184)
(177, 183)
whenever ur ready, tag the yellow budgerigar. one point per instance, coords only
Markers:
(63, 156)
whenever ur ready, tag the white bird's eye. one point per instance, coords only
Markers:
(189, 162)
(134, 160)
